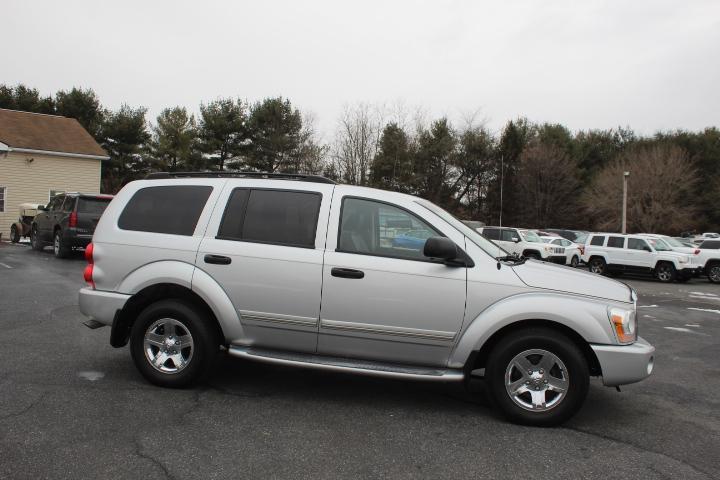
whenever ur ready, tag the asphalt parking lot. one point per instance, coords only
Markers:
(71, 406)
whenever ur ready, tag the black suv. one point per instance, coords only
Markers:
(67, 222)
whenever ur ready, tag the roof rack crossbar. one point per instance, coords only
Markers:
(271, 176)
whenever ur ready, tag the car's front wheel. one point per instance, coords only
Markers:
(173, 343)
(575, 261)
(537, 377)
(14, 234)
(597, 265)
(713, 272)
(665, 272)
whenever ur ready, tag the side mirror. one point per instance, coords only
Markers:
(516, 239)
(440, 247)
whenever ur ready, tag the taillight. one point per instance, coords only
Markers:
(88, 272)
(72, 221)
(697, 251)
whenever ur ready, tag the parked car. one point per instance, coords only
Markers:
(292, 270)
(413, 239)
(572, 250)
(686, 242)
(708, 259)
(698, 239)
(22, 227)
(67, 222)
(525, 243)
(572, 235)
(615, 254)
(673, 244)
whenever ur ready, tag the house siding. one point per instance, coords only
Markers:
(26, 181)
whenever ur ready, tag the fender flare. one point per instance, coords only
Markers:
(187, 275)
(585, 316)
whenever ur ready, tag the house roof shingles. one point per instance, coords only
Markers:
(50, 133)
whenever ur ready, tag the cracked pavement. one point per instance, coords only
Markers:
(258, 421)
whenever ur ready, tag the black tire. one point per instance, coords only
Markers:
(597, 265)
(665, 272)
(60, 247)
(538, 338)
(533, 255)
(713, 272)
(14, 234)
(35, 241)
(574, 261)
(204, 350)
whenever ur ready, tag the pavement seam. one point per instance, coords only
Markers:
(140, 453)
(641, 448)
(26, 409)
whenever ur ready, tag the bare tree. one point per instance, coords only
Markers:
(547, 185)
(356, 142)
(660, 191)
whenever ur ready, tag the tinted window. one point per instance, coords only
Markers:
(56, 203)
(597, 240)
(636, 244)
(376, 228)
(271, 216)
(491, 233)
(173, 209)
(710, 244)
(616, 242)
(93, 206)
(69, 204)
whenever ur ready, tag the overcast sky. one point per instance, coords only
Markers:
(652, 65)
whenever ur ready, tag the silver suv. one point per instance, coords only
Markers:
(296, 270)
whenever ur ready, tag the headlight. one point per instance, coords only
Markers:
(625, 324)
(547, 249)
(684, 259)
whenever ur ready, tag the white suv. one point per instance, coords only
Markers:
(708, 259)
(525, 243)
(296, 270)
(612, 253)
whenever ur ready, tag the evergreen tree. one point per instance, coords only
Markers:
(82, 105)
(174, 140)
(274, 129)
(223, 130)
(125, 137)
(392, 167)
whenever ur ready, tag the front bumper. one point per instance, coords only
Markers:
(559, 259)
(623, 364)
(100, 305)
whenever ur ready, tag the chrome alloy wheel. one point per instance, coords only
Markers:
(597, 267)
(536, 380)
(168, 345)
(714, 274)
(664, 273)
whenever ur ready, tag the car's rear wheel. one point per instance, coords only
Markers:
(35, 241)
(60, 248)
(14, 234)
(713, 272)
(597, 265)
(537, 377)
(574, 261)
(665, 272)
(173, 343)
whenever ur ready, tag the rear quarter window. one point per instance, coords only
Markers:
(172, 209)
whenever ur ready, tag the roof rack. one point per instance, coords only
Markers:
(271, 176)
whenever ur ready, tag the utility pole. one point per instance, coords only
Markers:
(624, 206)
(502, 181)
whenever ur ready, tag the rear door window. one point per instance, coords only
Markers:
(616, 242)
(491, 233)
(279, 217)
(172, 209)
(637, 244)
(508, 235)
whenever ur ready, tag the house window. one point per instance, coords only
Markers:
(52, 194)
(3, 190)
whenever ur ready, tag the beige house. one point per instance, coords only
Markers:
(41, 155)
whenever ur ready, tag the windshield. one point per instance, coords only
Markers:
(672, 242)
(531, 236)
(659, 245)
(486, 245)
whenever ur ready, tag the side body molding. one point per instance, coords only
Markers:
(581, 314)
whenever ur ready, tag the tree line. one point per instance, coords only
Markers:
(527, 174)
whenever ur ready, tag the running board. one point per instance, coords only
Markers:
(347, 365)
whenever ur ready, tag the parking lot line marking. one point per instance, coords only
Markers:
(647, 306)
(686, 330)
(5, 265)
(704, 310)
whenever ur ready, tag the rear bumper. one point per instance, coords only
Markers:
(74, 239)
(623, 364)
(100, 305)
